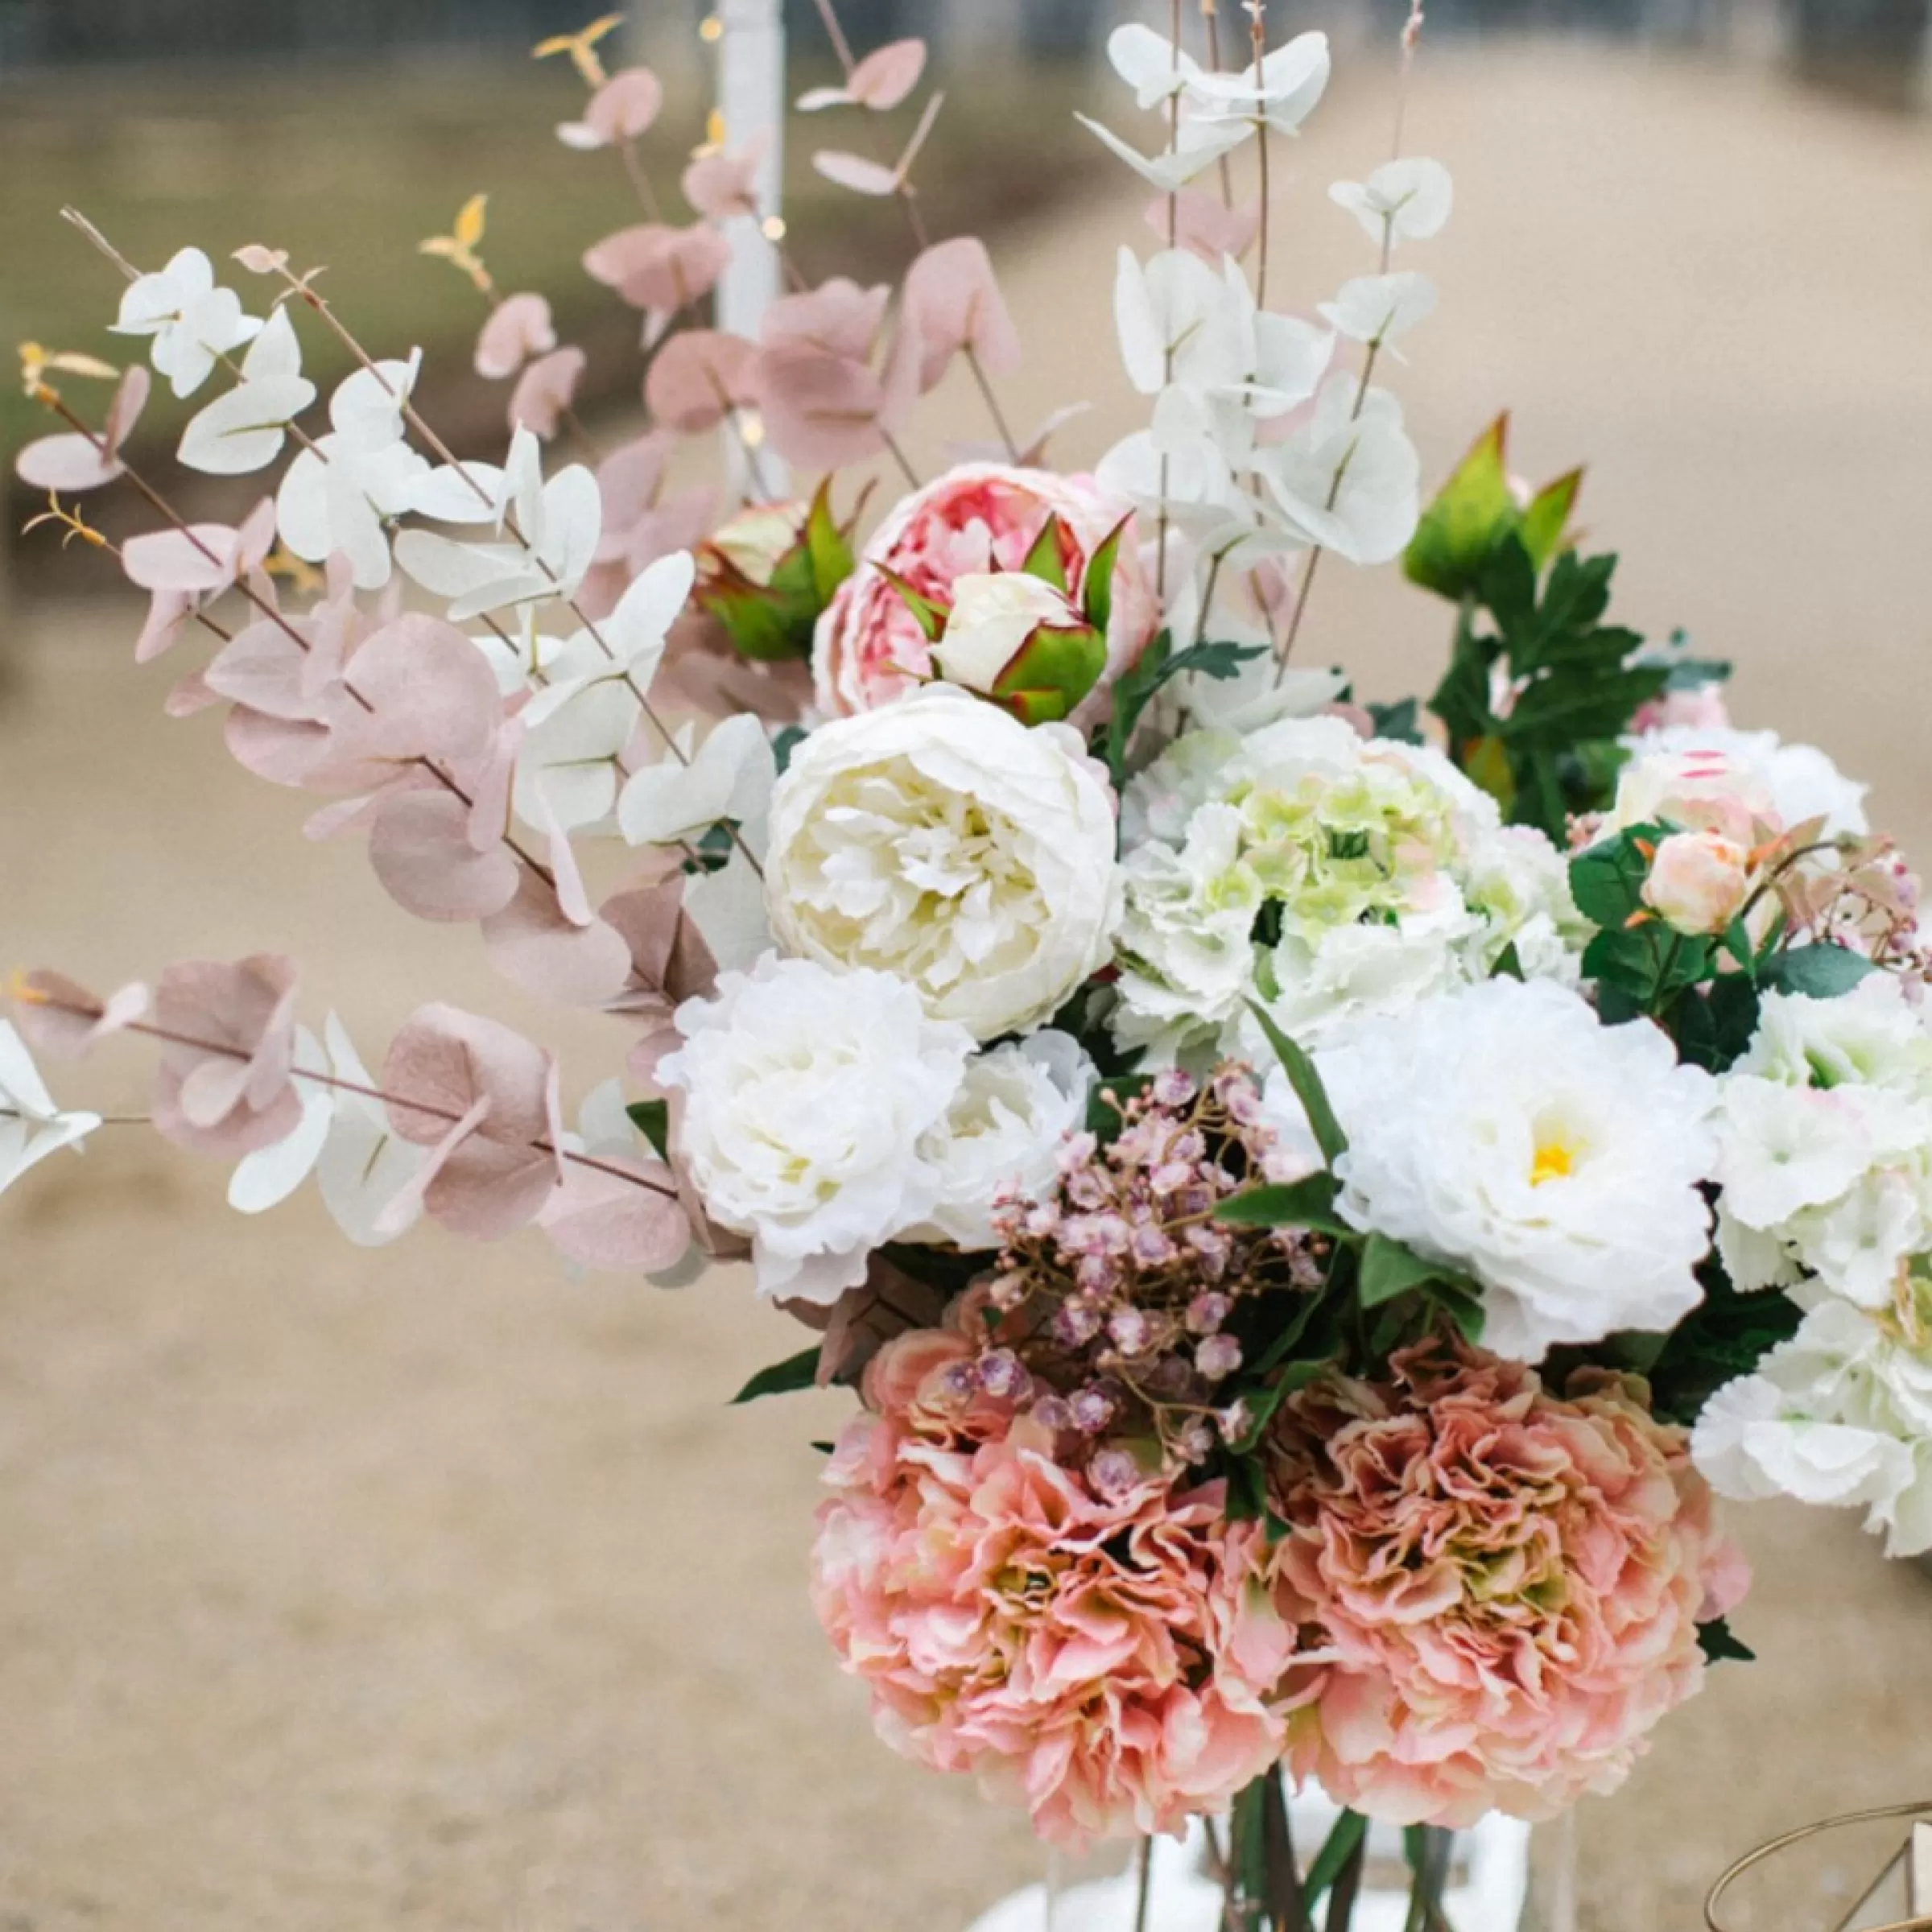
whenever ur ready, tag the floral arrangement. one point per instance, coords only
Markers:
(1312, 1196)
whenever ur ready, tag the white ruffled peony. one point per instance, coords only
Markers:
(1506, 1131)
(1825, 1143)
(939, 839)
(1840, 1415)
(805, 1095)
(1000, 1138)
(1798, 782)
(1329, 877)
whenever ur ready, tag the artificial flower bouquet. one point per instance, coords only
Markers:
(1311, 1196)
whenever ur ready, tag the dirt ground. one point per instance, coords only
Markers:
(428, 1589)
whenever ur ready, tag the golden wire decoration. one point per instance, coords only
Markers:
(1752, 1859)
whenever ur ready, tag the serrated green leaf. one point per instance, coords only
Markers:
(1136, 688)
(1308, 1088)
(796, 1372)
(1399, 721)
(1607, 879)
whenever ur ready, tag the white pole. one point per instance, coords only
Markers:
(751, 99)
(751, 103)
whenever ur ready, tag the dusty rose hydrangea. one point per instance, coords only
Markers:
(1112, 1661)
(1506, 1585)
(980, 517)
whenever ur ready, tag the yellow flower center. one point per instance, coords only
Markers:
(1554, 1158)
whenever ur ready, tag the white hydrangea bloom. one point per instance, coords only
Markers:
(1840, 1415)
(1825, 1143)
(1328, 876)
(1000, 1139)
(1505, 1131)
(804, 1096)
(941, 840)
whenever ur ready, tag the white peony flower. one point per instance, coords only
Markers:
(1840, 1415)
(1798, 782)
(1506, 1131)
(1825, 1143)
(939, 839)
(806, 1094)
(1328, 876)
(1000, 1138)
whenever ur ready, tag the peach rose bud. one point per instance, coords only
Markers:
(1697, 882)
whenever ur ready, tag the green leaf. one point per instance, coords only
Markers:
(1548, 517)
(1105, 1117)
(1096, 593)
(1134, 691)
(1399, 721)
(1507, 587)
(1264, 1401)
(1345, 1836)
(1388, 1269)
(1822, 971)
(796, 1372)
(1607, 880)
(931, 617)
(1309, 1202)
(828, 548)
(1508, 964)
(1247, 1490)
(1720, 1644)
(1044, 560)
(1458, 529)
(785, 744)
(1308, 1088)
(1051, 673)
(652, 1119)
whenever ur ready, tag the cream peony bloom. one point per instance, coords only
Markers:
(939, 839)
(1791, 782)
(1506, 1131)
(805, 1094)
(1000, 1138)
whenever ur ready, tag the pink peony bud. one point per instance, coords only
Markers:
(1698, 881)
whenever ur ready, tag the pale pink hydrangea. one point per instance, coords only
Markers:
(1112, 1663)
(1506, 1585)
(978, 518)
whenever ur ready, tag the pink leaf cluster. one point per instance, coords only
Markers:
(1110, 1662)
(74, 463)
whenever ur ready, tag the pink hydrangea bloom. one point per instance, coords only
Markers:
(1507, 1585)
(1112, 1663)
(980, 518)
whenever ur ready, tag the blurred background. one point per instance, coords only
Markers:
(429, 1589)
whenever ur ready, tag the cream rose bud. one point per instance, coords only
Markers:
(992, 618)
(760, 538)
(941, 840)
(1698, 881)
(804, 1097)
(1000, 1138)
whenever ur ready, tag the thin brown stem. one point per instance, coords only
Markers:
(898, 456)
(1258, 40)
(836, 34)
(1211, 14)
(640, 180)
(993, 403)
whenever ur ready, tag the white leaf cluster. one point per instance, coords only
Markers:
(32, 1126)
(1260, 444)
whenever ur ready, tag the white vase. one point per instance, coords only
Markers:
(1486, 1891)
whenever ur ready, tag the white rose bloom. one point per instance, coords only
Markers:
(1825, 1143)
(805, 1095)
(1327, 875)
(1799, 780)
(939, 839)
(1840, 1415)
(1504, 1130)
(1000, 1138)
